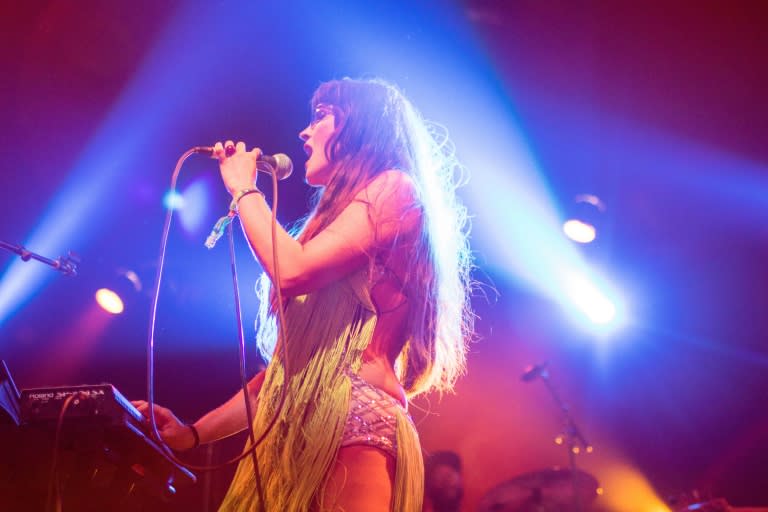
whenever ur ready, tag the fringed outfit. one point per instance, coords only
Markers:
(327, 406)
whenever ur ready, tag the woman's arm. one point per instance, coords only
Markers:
(224, 421)
(378, 213)
(230, 417)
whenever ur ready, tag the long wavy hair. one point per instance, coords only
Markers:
(378, 129)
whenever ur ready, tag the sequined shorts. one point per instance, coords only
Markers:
(372, 417)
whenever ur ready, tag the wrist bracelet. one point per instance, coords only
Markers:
(241, 194)
(195, 434)
(223, 222)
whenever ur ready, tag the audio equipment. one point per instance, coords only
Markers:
(97, 451)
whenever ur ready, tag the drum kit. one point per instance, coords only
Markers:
(548, 490)
(570, 489)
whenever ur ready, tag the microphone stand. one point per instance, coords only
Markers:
(67, 265)
(573, 437)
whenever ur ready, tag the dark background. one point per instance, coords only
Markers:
(656, 107)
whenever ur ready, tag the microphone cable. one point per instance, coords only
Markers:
(53, 501)
(254, 441)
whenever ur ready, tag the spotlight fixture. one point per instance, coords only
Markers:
(586, 217)
(112, 299)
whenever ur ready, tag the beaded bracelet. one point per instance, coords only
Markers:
(223, 222)
(241, 194)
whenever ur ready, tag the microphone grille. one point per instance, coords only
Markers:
(284, 166)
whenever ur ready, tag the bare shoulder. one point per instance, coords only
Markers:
(393, 204)
(393, 180)
(390, 191)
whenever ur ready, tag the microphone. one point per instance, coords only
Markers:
(533, 371)
(280, 164)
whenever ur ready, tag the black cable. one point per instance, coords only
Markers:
(281, 333)
(243, 378)
(153, 318)
(54, 493)
(153, 307)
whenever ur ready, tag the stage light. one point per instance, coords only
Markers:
(588, 299)
(193, 205)
(109, 301)
(173, 200)
(113, 298)
(593, 303)
(579, 231)
(621, 483)
(585, 218)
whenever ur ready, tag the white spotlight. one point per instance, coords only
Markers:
(579, 231)
(585, 216)
(591, 302)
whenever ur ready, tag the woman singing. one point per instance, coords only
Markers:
(375, 291)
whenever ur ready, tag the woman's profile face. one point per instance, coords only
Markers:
(316, 137)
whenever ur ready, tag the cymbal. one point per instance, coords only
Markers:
(546, 490)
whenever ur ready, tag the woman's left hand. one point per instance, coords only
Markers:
(237, 166)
